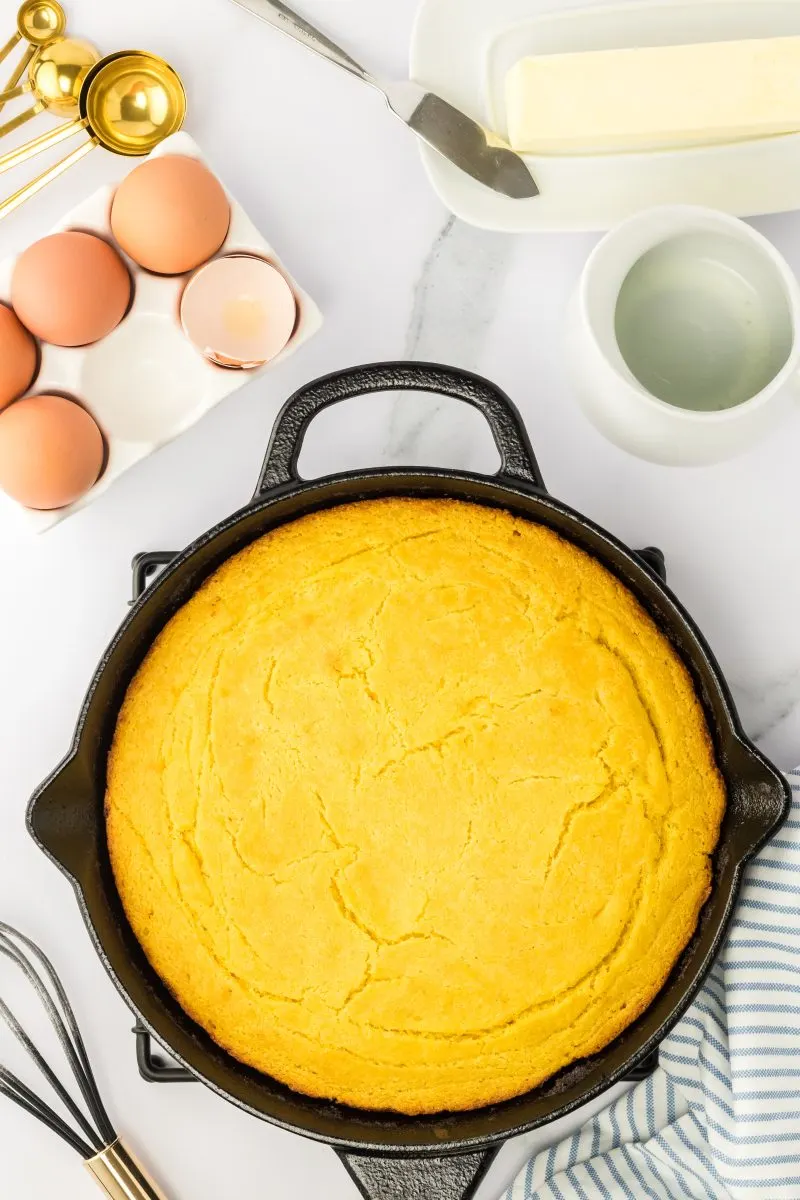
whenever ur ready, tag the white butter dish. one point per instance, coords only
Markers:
(465, 48)
(146, 383)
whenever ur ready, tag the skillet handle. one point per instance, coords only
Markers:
(455, 1178)
(517, 460)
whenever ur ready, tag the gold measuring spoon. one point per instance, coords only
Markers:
(55, 77)
(129, 102)
(38, 23)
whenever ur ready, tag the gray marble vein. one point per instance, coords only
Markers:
(765, 708)
(456, 297)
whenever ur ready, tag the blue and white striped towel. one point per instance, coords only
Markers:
(720, 1118)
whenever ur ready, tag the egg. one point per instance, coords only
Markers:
(70, 288)
(18, 357)
(170, 214)
(51, 451)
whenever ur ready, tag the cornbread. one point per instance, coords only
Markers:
(412, 805)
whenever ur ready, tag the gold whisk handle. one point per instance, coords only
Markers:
(120, 1176)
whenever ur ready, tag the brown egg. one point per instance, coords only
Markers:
(17, 357)
(51, 451)
(170, 214)
(70, 289)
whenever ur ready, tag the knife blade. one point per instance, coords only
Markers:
(463, 141)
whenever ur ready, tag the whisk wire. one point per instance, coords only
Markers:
(109, 1161)
(66, 1029)
(64, 1022)
(66, 1099)
(14, 1089)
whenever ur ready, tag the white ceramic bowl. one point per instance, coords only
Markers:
(615, 400)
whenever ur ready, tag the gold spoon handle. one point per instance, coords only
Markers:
(19, 70)
(9, 46)
(46, 177)
(21, 118)
(43, 142)
(13, 92)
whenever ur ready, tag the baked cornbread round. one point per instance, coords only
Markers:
(412, 805)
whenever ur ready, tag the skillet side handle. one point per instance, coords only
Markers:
(517, 460)
(455, 1178)
(62, 820)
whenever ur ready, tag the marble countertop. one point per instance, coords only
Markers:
(337, 186)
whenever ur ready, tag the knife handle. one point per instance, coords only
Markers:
(280, 17)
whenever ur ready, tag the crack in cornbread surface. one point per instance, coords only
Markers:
(411, 805)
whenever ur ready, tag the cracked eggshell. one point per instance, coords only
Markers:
(239, 311)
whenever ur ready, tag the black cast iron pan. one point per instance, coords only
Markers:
(391, 1157)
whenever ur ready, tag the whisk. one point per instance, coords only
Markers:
(105, 1155)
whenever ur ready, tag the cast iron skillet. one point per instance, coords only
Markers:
(391, 1157)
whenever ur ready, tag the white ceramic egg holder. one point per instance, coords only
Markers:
(146, 383)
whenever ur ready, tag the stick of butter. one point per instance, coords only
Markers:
(653, 98)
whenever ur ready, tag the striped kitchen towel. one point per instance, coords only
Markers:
(720, 1118)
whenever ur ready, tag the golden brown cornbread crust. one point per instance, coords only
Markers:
(411, 805)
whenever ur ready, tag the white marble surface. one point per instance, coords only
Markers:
(336, 185)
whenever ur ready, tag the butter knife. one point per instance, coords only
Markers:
(464, 142)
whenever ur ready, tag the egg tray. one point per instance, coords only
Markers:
(145, 383)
